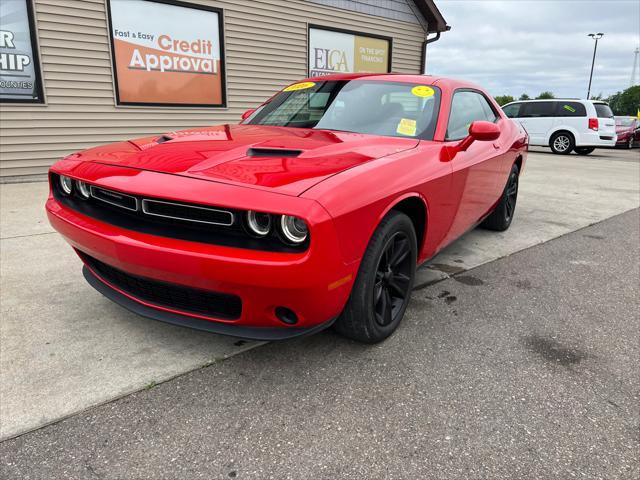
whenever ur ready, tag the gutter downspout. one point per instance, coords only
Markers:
(424, 49)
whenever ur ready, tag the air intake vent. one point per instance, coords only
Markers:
(164, 138)
(272, 152)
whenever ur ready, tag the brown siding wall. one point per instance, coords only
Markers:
(266, 48)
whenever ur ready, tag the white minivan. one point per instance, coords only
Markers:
(565, 125)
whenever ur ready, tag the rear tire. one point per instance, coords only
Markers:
(584, 150)
(562, 143)
(502, 216)
(382, 289)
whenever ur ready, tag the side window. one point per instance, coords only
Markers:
(571, 109)
(538, 109)
(512, 111)
(466, 108)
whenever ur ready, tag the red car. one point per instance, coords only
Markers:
(315, 210)
(628, 130)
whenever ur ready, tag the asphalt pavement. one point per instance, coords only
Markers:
(524, 367)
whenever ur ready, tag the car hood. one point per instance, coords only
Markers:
(620, 129)
(285, 160)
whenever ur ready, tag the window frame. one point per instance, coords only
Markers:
(473, 90)
(223, 59)
(37, 66)
(311, 26)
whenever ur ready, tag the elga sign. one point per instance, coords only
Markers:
(167, 53)
(333, 51)
(19, 66)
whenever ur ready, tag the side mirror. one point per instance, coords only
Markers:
(480, 131)
(248, 113)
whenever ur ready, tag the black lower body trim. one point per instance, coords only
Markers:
(250, 333)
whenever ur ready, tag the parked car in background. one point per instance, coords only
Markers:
(628, 130)
(316, 209)
(565, 125)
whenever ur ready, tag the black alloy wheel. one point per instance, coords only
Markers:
(382, 289)
(502, 216)
(393, 280)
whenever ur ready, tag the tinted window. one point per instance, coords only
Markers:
(512, 111)
(538, 109)
(467, 107)
(603, 110)
(571, 109)
(378, 108)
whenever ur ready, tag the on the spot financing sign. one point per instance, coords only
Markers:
(333, 51)
(167, 54)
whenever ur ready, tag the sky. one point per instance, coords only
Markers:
(512, 47)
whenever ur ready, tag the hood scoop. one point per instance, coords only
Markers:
(273, 152)
(163, 138)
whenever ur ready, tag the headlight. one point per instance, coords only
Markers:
(259, 223)
(66, 184)
(83, 188)
(294, 229)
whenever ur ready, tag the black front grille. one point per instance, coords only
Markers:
(165, 218)
(162, 294)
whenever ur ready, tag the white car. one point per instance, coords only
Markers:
(565, 125)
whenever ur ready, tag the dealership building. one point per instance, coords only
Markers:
(79, 73)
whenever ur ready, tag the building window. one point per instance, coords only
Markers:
(20, 78)
(167, 53)
(342, 51)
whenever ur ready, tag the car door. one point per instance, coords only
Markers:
(476, 172)
(537, 119)
(606, 121)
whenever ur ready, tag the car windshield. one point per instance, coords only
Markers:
(373, 107)
(624, 122)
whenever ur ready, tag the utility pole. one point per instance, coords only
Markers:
(596, 37)
(635, 68)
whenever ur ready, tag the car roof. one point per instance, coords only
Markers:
(558, 100)
(450, 83)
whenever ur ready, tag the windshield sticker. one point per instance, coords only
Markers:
(299, 86)
(423, 91)
(570, 108)
(406, 126)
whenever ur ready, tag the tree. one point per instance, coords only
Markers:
(545, 96)
(626, 102)
(524, 96)
(504, 99)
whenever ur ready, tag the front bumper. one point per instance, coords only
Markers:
(314, 284)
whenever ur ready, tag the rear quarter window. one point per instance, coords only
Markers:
(571, 109)
(603, 110)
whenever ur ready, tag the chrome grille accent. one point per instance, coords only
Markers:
(117, 199)
(187, 213)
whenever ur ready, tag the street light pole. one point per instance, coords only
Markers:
(596, 37)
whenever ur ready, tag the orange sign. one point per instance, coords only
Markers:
(167, 54)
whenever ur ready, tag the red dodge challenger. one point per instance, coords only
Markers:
(314, 210)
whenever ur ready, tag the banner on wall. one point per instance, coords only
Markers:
(341, 51)
(167, 54)
(20, 79)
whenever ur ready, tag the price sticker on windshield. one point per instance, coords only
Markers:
(299, 86)
(406, 126)
(423, 91)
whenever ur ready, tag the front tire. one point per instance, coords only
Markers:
(584, 150)
(562, 143)
(382, 289)
(502, 216)
(630, 143)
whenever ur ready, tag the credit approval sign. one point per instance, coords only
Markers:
(340, 51)
(167, 54)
